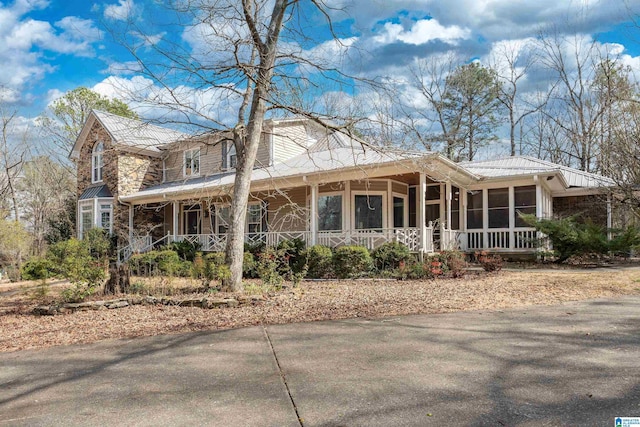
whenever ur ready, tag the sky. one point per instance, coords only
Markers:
(48, 47)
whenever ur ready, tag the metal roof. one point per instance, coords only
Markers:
(135, 133)
(525, 165)
(100, 192)
(318, 163)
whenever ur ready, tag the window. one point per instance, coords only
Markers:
(330, 213)
(232, 158)
(398, 212)
(455, 208)
(192, 219)
(498, 208)
(86, 219)
(97, 162)
(254, 218)
(224, 219)
(412, 207)
(253, 221)
(525, 202)
(192, 162)
(105, 217)
(368, 211)
(474, 209)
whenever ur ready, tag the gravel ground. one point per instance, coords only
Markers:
(311, 301)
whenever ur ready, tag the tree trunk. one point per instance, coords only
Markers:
(119, 279)
(247, 144)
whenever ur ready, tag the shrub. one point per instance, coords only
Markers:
(159, 262)
(214, 261)
(389, 256)
(73, 260)
(351, 261)
(319, 262)
(38, 268)
(268, 265)
(624, 241)
(292, 252)
(455, 263)
(185, 249)
(489, 262)
(570, 237)
(99, 243)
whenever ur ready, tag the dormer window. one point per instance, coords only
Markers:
(192, 162)
(97, 162)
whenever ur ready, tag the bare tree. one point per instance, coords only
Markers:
(575, 60)
(45, 186)
(13, 153)
(511, 62)
(242, 59)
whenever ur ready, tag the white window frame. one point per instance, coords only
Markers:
(191, 152)
(405, 213)
(218, 209)
(106, 208)
(97, 162)
(96, 207)
(383, 194)
(231, 154)
(188, 208)
(342, 209)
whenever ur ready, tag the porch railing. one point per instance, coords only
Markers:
(501, 239)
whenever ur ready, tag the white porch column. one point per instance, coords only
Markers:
(347, 210)
(485, 218)
(314, 214)
(176, 218)
(448, 195)
(609, 217)
(389, 205)
(422, 189)
(512, 217)
(539, 198)
(131, 223)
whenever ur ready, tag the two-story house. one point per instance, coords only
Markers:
(151, 184)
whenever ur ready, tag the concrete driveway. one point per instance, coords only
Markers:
(570, 364)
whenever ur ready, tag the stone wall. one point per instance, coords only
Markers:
(592, 207)
(123, 173)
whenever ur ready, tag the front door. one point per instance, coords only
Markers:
(192, 220)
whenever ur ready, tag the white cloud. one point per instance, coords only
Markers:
(25, 41)
(122, 11)
(422, 31)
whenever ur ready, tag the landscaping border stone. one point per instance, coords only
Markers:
(206, 303)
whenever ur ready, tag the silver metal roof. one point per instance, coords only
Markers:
(525, 165)
(137, 134)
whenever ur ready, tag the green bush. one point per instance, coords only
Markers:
(185, 249)
(624, 241)
(570, 237)
(38, 268)
(292, 252)
(215, 260)
(390, 256)
(159, 262)
(73, 261)
(99, 242)
(319, 262)
(268, 266)
(351, 261)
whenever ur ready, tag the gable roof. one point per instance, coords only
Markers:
(128, 134)
(525, 165)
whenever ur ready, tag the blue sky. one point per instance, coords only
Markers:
(49, 47)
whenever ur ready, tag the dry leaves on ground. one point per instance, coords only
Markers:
(313, 301)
